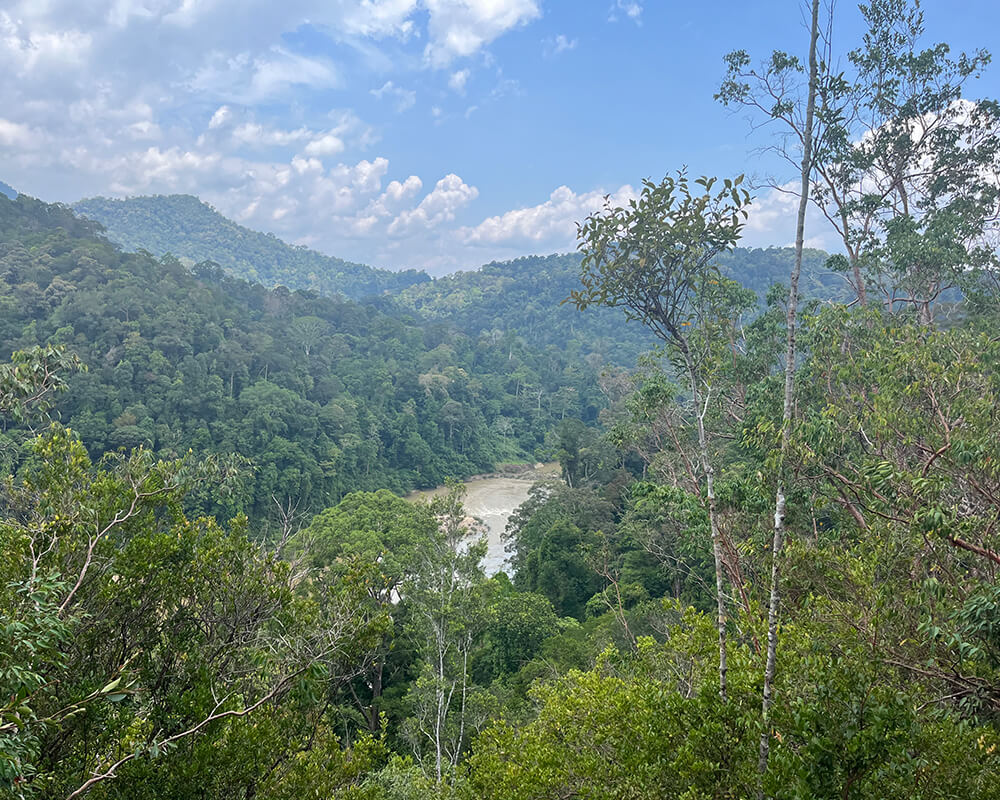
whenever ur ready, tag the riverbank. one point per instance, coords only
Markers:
(492, 498)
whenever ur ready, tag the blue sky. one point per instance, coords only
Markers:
(439, 134)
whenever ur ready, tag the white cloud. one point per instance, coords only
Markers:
(222, 116)
(282, 69)
(250, 80)
(397, 191)
(326, 145)
(458, 80)
(14, 134)
(40, 49)
(255, 134)
(560, 43)
(440, 205)
(632, 9)
(347, 130)
(143, 130)
(141, 96)
(772, 219)
(550, 225)
(463, 27)
(403, 99)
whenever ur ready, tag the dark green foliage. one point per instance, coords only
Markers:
(525, 297)
(519, 622)
(521, 298)
(552, 536)
(322, 395)
(187, 228)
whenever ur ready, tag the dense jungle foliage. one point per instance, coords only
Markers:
(526, 296)
(523, 297)
(182, 226)
(322, 395)
(151, 650)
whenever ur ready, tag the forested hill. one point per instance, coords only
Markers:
(523, 296)
(183, 226)
(8, 190)
(526, 296)
(324, 395)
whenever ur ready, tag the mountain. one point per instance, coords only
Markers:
(183, 226)
(525, 296)
(323, 395)
(8, 190)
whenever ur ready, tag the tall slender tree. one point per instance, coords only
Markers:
(777, 544)
(904, 165)
(776, 89)
(655, 259)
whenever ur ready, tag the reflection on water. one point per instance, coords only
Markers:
(493, 500)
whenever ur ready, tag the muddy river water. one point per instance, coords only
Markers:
(492, 500)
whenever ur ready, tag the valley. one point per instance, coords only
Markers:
(551, 467)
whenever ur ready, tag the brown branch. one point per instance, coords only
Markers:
(213, 717)
(985, 552)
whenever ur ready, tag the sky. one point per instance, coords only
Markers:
(436, 134)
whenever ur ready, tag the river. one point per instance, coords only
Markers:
(492, 500)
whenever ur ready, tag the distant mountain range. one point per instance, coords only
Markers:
(527, 295)
(524, 296)
(7, 189)
(194, 232)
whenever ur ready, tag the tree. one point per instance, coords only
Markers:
(549, 537)
(448, 611)
(776, 84)
(904, 166)
(307, 332)
(141, 630)
(390, 534)
(787, 408)
(656, 259)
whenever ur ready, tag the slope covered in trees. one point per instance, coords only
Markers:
(774, 573)
(189, 229)
(322, 394)
(525, 296)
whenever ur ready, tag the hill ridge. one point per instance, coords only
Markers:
(187, 227)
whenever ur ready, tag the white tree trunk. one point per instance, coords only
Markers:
(774, 606)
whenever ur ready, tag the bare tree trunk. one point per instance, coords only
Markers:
(700, 409)
(779, 501)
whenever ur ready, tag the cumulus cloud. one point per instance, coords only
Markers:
(440, 205)
(397, 191)
(458, 80)
(326, 144)
(242, 131)
(129, 97)
(402, 99)
(463, 27)
(772, 218)
(630, 9)
(550, 225)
